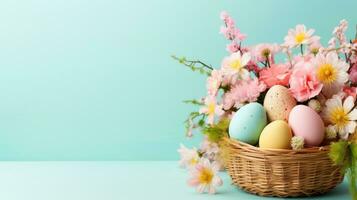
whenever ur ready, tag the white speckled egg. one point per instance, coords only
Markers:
(278, 103)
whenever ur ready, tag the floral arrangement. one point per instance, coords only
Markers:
(316, 77)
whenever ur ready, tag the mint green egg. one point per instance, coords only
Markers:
(247, 123)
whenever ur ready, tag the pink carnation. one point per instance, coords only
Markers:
(350, 91)
(252, 66)
(299, 58)
(277, 74)
(303, 82)
(243, 91)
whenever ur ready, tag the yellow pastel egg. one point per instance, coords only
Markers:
(276, 135)
(278, 103)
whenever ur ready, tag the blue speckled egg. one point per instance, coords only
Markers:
(247, 123)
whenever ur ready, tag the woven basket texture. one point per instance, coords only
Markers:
(280, 173)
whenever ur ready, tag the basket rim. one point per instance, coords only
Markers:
(235, 142)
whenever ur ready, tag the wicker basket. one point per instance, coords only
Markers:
(281, 173)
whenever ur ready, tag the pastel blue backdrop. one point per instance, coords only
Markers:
(93, 79)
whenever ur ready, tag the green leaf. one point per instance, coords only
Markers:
(182, 60)
(352, 171)
(194, 102)
(201, 123)
(217, 131)
(344, 153)
(338, 152)
(190, 121)
(195, 65)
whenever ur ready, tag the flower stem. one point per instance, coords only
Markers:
(267, 61)
(192, 64)
(301, 49)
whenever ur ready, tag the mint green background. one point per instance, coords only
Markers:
(93, 80)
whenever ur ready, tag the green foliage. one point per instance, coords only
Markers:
(352, 170)
(344, 153)
(192, 122)
(217, 131)
(338, 151)
(194, 102)
(195, 65)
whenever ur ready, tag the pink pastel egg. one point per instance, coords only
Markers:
(305, 122)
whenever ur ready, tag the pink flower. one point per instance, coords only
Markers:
(232, 33)
(353, 73)
(303, 82)
(353, 58)
(214, 82)
(340, 30)
(211, 151)
(228, 100)
(332, 43)
(350, 91)
(252, 66)
(242, 92)
(300, 58)
(211, 109)
(208, 147)
(228, 80)
(277, 74)
(229, 30)
(232, 47)
(314, 48)
(228, 20)
(204, 176)
(264, 52)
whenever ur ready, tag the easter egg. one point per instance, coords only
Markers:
(305, 122)
(276, 135)
(278, 103)
(247, 123)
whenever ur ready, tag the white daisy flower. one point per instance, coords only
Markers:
(234, 65)
(299, 36)
(189, 157)
(341, 116)
(204, 176)
(331, 72)
(211, 109)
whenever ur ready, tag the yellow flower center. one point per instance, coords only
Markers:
(266, 53)
(236, 65)
(339, 117)
(193, 161)
(315, 51)
(299, 38)
(206, 176)
(326, 73)
(210, 108)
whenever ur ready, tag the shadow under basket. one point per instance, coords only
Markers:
(281, 173)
